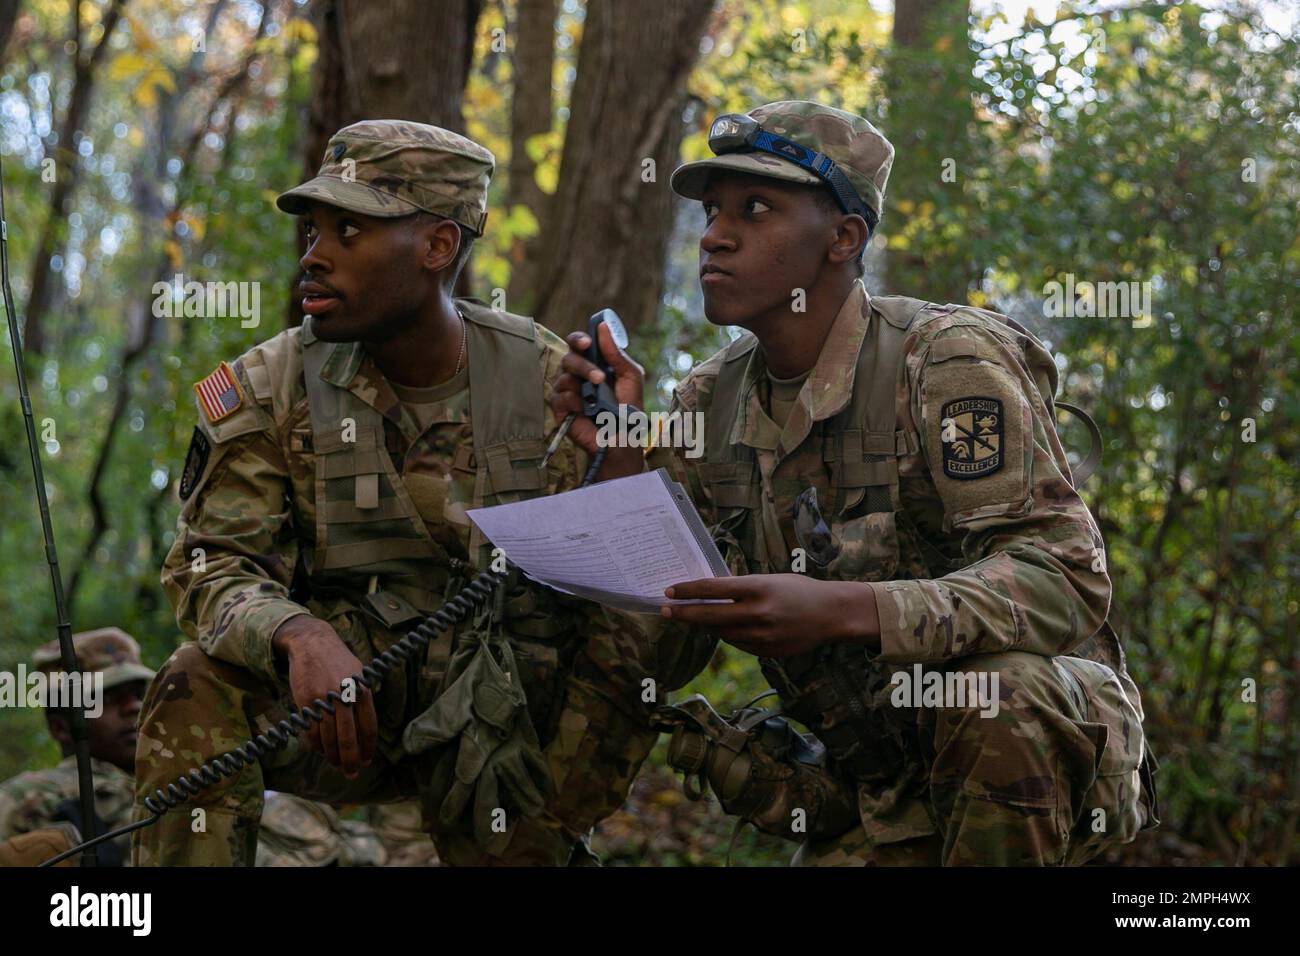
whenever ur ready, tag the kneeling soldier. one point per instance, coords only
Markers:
(884, 476)
(324, 515)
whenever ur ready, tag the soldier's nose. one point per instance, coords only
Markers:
(715, 239)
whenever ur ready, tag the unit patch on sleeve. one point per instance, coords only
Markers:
(219, 394)
(972, 437)
(195, 461)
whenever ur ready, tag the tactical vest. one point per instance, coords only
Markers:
(372, 546)
(834, 690)
(366, 521)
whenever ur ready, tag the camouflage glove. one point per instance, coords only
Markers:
(33, 849)
(497, 761)
(451, 711)
(760, 768)
(515, 777)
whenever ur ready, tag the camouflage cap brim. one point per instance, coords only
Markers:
(688, 180)
(125, 673)
(352, 196)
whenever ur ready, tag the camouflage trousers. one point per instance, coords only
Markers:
(1052, 778)
(198, 707)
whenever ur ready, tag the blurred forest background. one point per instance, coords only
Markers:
(1151, 143)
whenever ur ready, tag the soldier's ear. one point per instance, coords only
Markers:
(440, 240)
(851, 235)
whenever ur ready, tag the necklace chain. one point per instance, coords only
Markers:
(464, 333)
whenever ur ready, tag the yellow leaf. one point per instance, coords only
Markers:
(161, 77)
(541, 145)
(126, 65)
(173, 253)
(497, 271)
(547, 176)
(141, 38)
(145, 95)
(300, 30)
(521, 222)
(943, 44)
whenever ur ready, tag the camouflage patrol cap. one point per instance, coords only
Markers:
(108, 649)
(391, 168)
(859, 149)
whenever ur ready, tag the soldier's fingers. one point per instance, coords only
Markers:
(729, 587)
(618, 360)
(367, 726)
(565, 397)
(346, 728)
(578, 341)
(579, 367)
(709, 615)
(329, 739)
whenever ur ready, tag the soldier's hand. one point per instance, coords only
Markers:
(779, 615)
(629, 389)
(318, 663)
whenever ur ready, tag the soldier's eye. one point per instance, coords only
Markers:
(348, 235)
(710, 210)
(309, 230)
(755, 205)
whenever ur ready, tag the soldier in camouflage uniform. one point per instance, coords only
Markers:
(298, 832)
(294, 832)
(37, 799)
(324, 515)
(946, 529)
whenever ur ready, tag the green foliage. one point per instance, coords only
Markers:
(1151, 145)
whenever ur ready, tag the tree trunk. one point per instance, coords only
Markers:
(367, 70)
(67, 172)
(607, 230)
(530, 114)
(143, 325)
(8, 17)
(931, 115)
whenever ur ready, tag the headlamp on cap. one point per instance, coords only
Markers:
(737, 133)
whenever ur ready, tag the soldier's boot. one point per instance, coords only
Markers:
(1010, 784)
(855, 848)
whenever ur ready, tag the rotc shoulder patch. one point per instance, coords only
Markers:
(972, 437)
(219, 394)
(195, 461)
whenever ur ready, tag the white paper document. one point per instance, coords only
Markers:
(619, 542)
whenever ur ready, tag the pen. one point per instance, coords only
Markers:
(559, 437)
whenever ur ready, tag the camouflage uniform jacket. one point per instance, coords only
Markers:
(28, 801)
(1011, 560)
(251, 517)
(253, 512)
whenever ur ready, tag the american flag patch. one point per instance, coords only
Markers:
(219, 394)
